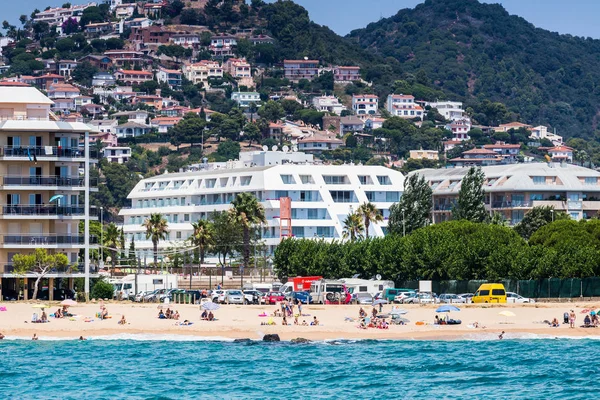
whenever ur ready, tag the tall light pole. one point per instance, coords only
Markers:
(552, 213)
(102, 236)
(403, 224)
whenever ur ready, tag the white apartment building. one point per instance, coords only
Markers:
(56, 16)
(321, 196)
(118, 155)
(200, 72)
(541, 132)
(403, 106)
(329, 104)
(514, 189)
(451, 110)
(365, 104)
(245, 98)
(44, 194)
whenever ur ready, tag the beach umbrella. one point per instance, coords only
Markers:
(68, 303)
(210, 306)
(379, 301)
(447, 308)
(42, 306)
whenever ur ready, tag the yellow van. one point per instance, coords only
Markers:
(490, 293)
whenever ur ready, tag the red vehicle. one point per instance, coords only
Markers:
(274, 297)
(302, 283)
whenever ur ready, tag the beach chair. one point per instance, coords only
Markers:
(34, 318)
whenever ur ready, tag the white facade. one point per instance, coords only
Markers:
(541, 132)
(200, 72)
(404, 106)
(119, 155)
(329, 104)
(245, 98)
(322, 196)
(451, 110)
(56, 16)
(365, 104)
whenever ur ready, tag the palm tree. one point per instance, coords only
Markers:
(203, 236)
(353, 227)
(247, 212)
(112, 240)
(156, 230)
(369, 213)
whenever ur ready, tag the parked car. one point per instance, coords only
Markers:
(403, 296)
(451, 298)
(234, 297)
(411, 298)
(467, 296)
(171, 294)
(512, 297)
(252, 296)
(363, 299)
(155, 295)
(274, 297)
(304, 297)
(140, 295)
(425, 298)
(218, 296)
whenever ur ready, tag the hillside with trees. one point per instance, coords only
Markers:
(475, 52)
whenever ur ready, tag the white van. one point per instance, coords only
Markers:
(325, 290)
(263, 287)
(128, 286)
(372, 287)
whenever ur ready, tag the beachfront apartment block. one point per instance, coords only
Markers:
(330, 104)
(295, 70)
(201, 71)
(346, 74)
(44, 185)
(321, 196)
(222, 45)
(403, 106)
(514, 189)
(171, 77)
(365, 104)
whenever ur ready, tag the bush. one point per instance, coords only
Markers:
(102, 290)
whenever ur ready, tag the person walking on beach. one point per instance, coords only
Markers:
(501, 336)
(35, 337)
(572, 318)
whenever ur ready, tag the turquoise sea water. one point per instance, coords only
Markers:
(191, 368)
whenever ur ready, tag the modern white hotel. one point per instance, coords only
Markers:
(321, 196)
(44, 185)
(514, 189)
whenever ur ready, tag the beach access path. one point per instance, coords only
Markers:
(239, 321)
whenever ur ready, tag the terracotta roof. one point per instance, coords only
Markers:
(320, 139)
(402, 96)
(301, 61)
(368, 96)
(480, 151)
(559, 148)
(12, 83)
(355, 67)
(502, 146)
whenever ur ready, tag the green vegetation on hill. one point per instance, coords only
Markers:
(477, 52)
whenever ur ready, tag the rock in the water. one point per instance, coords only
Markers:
(300, 340)
(244, 340)
(272, 337)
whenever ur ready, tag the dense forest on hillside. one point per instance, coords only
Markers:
(475, 51)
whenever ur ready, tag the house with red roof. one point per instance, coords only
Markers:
(133, 77)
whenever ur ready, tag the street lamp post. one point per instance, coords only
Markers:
(403, 224)
(102, 235)
(552, 213)
(109, 260)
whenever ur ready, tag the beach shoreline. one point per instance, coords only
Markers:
(245, 322)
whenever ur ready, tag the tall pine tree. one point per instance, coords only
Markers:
(470, 205)
(414, 209)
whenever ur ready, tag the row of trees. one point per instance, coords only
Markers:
(460, 250)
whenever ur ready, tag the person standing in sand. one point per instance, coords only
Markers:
(572, 318)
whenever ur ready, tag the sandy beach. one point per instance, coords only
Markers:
(244, 322)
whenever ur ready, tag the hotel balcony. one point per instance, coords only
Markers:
(45, 153)
(49, 182)
(32, 241)
(51, 211)
(511, 204)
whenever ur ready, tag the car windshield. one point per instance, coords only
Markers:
(275, 294)
(235, 292)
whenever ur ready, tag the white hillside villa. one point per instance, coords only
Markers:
(321, 196)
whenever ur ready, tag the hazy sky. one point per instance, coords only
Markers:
(578, 18)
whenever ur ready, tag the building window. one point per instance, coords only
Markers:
(186, 217)
(281, 193)
(306, 179)
(364, 179)
(298, 231)
(370, 196)
(591, 180)
(384, 180)
(392, 197)
(324, 231)
(539, 180)
(335, 179)
(342, 196)
(536, 196)
(288, 179)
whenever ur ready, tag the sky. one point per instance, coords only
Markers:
(342, 16)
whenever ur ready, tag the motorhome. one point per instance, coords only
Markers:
(262, 287)
(129, 285)
(298, 284)
(370, 286)
(325, 291)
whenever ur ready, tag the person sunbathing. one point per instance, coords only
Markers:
(211, 317)
(204, 315)
(315, 321)
(104, 313)
(555, 323)
(304, 323)
(123, 321)
(161, 315)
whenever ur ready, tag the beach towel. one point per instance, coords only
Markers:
(3, 308)
(263, 315)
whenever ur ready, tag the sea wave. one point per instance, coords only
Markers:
(141, 337)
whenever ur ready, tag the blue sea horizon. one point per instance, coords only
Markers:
(152, 367)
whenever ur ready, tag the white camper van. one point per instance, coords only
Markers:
(372, 287)
(127, 287)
